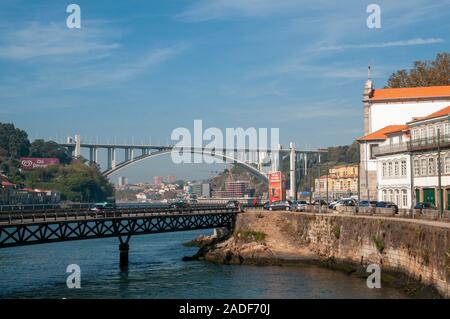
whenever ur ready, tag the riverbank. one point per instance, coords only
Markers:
(413, 255)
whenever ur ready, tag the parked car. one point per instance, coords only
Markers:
(233, 204)
(266, 205)
(299, 206)
(424, 206)
(366, 203)
(281, 205)
(180, 204)
(99, 207)
(388, 205)
(333, 204)
(319, 201)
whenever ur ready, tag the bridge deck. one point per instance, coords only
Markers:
(47, 227)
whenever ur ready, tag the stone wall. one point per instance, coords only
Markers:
(419, 249)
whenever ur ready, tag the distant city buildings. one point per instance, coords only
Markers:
(158, 180)
(235, 189)
(123, 181)
(170, 179)
(341, 181)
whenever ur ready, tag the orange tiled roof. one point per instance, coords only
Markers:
(442, 112)
(410, 93)
(381, 133)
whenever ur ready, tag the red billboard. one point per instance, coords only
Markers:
(30, 163)
(276, 186)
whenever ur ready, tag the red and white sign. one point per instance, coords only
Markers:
(276, 186)
(30, 163)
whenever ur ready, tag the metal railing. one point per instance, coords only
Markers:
(9, 218)
(390, 149)
(413, 145)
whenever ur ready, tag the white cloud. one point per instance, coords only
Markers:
(401, 43)
(94, 76)
(39, 41)
(205, 10)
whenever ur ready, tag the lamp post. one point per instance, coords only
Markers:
(441, 197)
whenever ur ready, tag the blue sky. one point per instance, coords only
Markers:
(138, 69)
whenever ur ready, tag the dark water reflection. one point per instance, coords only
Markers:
(156, 271)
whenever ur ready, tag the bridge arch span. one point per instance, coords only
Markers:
(251, 169)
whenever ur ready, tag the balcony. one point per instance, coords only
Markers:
(429, 143)
(390, 149)
(416, 145)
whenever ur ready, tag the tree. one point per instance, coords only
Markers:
(14, 144)
(424, 73)
(41, 148)
(76, 181)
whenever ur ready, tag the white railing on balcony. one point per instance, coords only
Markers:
(390, 149)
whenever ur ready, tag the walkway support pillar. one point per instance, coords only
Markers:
(124, 248)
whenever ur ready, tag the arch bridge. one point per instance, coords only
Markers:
(258, 162)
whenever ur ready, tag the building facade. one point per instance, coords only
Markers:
(390, 107)
(341, 181)
(413, 160)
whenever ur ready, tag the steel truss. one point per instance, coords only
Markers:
(21, 234)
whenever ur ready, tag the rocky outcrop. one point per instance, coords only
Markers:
(417, 250)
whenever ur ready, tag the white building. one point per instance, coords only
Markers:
(390, 107)
(406, 158)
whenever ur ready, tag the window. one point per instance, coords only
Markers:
(423, 133)
(397, 197)
(446, 129)
(404, 198)
(384, 195)
(415, 134)
(431, 132)
(417, 167)
(391, 195)
(390, 169)
(396, 168)
(373, 148)
(403, 166)
(447, 164)
(423, 167)
(431, 166)
(384, 170)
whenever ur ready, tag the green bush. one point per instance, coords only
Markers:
(251, 236)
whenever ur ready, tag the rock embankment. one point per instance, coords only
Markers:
(404, 249)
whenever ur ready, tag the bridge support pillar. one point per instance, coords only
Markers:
(124, 248)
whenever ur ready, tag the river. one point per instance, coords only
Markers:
(157, 271)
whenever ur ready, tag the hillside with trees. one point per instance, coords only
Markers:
(74, 179)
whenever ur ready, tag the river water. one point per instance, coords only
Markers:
(157, 271)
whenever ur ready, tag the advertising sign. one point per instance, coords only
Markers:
(30, 163)
(276, 186)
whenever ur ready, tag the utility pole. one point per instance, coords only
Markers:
(327, 184)
(310, 187)
(441, 198)
(411, 172)
(320, 193)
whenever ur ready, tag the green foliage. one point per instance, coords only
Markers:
(347, 154)
(251, 236)
(379, 243)
(14, 144)
(41, 148)
(424, 73)
(337, 231)
(76, 181)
